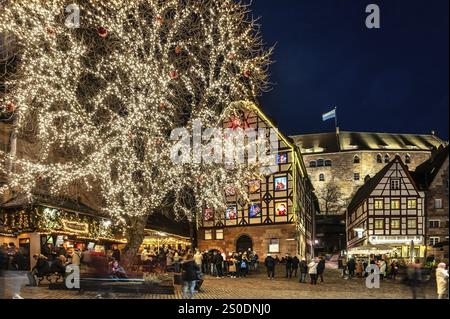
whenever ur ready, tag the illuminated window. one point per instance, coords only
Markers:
(395, 184)
(412, 203)
(438, 203)
(395, 204)
(219, 234)
(208, 234)
(356, 160)
(379, 224)
(379, 204)
(321, 178)
(395, 223)
(412, 223)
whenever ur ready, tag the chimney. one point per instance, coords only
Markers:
(433, 132)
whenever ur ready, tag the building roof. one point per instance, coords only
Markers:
(426, 173)
(22, 200)
(360, 141)
(365, 190)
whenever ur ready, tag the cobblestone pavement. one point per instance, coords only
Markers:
(257, 286)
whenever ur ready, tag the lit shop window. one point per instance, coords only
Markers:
(274, 246)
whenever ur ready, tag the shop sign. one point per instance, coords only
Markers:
(375, 240)
(75, 227)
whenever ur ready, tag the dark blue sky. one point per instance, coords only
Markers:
(390, 80)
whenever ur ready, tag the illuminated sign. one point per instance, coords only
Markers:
(395, 239)
(75, 227)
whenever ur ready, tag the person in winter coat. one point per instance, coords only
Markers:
(244, 265)
(359, 269)
(232, 267)
(303, 271)
(295, 264)
(320, 268)
(41, 267)
(442, 281)
(270, 265)
(313, 271)
(288, 261)
(351, 266)
(218, 261)
(189, 276)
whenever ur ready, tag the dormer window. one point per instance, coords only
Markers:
(328, 163)
(356, 160)
(313, 164)
(379, 159)
(387, 159)
(320, 163)
(408, 159)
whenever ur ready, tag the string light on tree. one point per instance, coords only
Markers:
(101, 110)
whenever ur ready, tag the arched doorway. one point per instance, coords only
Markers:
(243, 244)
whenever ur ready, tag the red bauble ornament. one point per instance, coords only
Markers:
(10, 107)
(231, 56)
(178, 50)
(158, 142)
(102, 32)
(247, 73)
(51, 31)
(160, 19)
(173, 74)
(162, 106)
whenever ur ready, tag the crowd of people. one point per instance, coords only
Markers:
(13, 257)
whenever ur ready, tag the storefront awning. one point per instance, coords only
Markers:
(371, 249)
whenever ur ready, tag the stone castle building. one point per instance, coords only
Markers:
(339, 163)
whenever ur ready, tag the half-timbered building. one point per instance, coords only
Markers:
(279, 218)
(389, 210)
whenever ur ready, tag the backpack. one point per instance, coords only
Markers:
(243, 264)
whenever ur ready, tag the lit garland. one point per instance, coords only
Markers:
(101, 101)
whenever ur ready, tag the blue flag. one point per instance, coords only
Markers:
(328, 116)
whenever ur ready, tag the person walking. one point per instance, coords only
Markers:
(383, 268)
(295, 264)
(303, 271)
(198, 258)
(189, 276)
(394, 270)
(313, 271)
(442, 281)
(359, 269)
(270, 265)
(321, 268)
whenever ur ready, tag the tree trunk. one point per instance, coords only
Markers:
(135, 235)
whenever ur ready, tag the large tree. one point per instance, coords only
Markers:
(99, 102)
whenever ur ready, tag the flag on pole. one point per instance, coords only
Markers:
(328, 116)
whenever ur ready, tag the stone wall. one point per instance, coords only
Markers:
(343, 169)
(260, 235)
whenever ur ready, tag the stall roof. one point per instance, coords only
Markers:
(22, 200)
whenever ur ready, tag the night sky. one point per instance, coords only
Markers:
(394, 79)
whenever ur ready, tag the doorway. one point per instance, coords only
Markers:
(243, 244)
